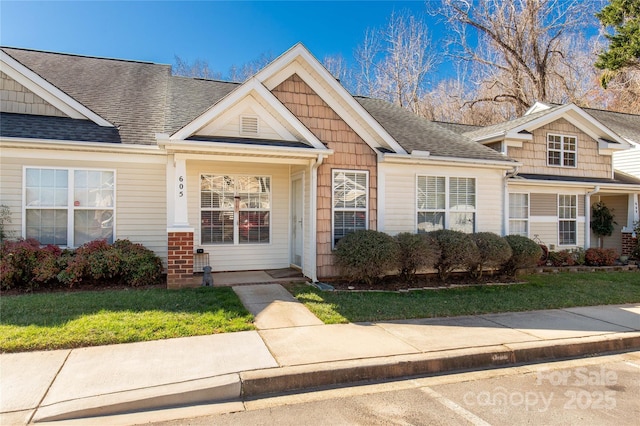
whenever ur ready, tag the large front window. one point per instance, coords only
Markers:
(567, 215)
(235, 209)
(519, 214)
(561, 150)
(444, 202)
(69, 207)
(350, 202)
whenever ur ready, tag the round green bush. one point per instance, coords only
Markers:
(416, 251)
(525, 254)
(366, 255)
(493, 252)
(457, 250)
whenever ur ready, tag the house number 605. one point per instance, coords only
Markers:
(181, 186)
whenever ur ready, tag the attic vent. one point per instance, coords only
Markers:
(249, 125)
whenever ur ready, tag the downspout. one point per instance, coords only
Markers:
(314, 214)
(587, 217)
(505, 191)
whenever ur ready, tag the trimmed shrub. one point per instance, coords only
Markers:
(96, 262)
(601, 257)
(140, 266)
(366, 255)
(24, 264)
(562, 258)
(457, 250)
(416, 251)
(493, 252)
(525, 254)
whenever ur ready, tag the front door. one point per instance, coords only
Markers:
(297, 204)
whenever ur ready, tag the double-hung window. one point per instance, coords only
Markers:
(350, 193)
(567, 216)
(519, 214)
(69, 207)
(235, 209)
(561, 150)
(446, 202)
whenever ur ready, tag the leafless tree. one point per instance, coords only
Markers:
(394, 62)
(524, 50)
(196, 69)
(249, 69)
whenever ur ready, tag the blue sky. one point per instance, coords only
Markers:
(223, 33)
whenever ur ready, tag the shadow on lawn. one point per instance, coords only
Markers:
(58, 308)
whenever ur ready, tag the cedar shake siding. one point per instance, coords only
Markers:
(350, 153)
(589, 163)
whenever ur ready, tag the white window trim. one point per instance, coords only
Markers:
(70, 197)
(447, 207)
(528, 218)
(236, 219)
(575, 220)
(562, 151)
(334, 209)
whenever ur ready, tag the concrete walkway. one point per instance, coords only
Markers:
(291, 350)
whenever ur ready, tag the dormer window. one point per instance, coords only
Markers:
(249, 125)
(561, 150)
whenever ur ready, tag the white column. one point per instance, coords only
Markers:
(633, 215)
(178, 213)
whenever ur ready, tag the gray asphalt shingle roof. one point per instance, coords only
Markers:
(625, 125)
(416, 133)
(130, 95)
(506, 126)
(56, 128)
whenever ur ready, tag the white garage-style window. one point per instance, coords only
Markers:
(446, 202)
(567, 217)
(69, 207)
(235, 209)
(350, 202)
(561, 150)
(519, 214)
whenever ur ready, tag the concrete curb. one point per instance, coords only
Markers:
(254, 383)
(220, 388)
(295, 378)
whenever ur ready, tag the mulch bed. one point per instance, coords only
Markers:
(394, 283)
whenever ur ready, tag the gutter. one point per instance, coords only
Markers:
(28, 143)
(587, 216)
(433, 160)
(314, 214)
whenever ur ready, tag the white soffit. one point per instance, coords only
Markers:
(48, 91)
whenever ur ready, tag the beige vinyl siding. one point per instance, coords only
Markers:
(543, 204)
(16, 98)
(589, 163)
(618, 206)
(245, 257)
(399, 202)
(140, 191)
(231, 126)
(628, 161)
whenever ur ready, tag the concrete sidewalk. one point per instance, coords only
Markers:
(291, 350)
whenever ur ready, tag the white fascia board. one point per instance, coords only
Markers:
(272, 76)
(9, 142)
(607, 146)
(239, 148)
(48, 91)
(536, 107)
(518, 136)
(604, 187)
(449, 161)
(237, 95)
(493, 137)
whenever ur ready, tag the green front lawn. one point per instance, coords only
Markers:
(537, 292)
(76, 319)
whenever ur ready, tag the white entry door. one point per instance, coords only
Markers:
(297, 225)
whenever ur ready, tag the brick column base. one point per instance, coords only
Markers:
(180, 260)
(628, 243)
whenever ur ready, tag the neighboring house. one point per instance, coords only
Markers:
(266, 174)
(567, 157)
